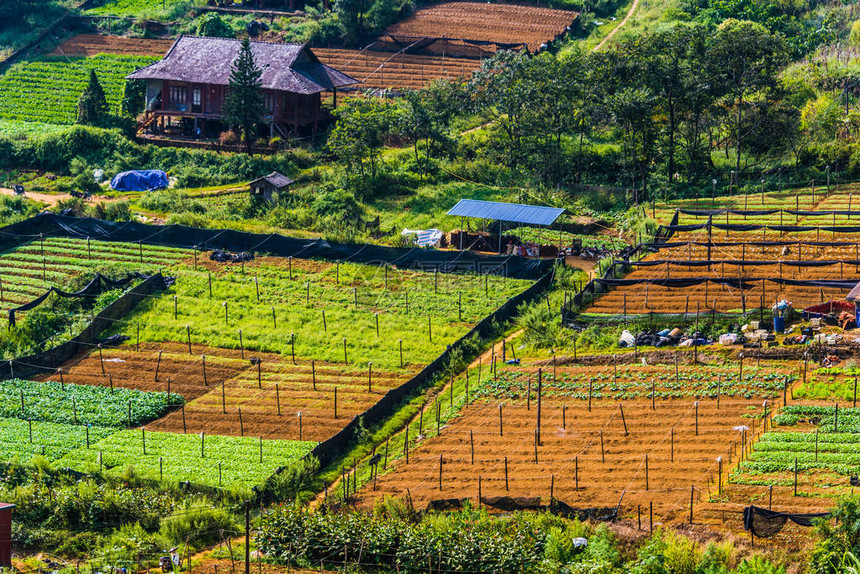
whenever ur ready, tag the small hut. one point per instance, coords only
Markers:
(266, 186)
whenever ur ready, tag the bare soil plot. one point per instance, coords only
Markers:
(503, 23)
(610, 465)
(232, 398)
(646, 298)
(381, 70)
(92, 44)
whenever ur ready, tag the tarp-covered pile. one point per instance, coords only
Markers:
(139, 180)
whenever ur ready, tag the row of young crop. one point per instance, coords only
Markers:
(28, 270)
(79, 427)
(47, 91)
(218, 461)
(632, 383)
(832, 444)
(203, 459)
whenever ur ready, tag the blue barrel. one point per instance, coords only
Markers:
(779, 324)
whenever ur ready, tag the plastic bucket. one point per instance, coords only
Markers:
(779, 324)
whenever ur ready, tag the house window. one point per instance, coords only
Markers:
(271, 102)
(196, 97)
(178, 94)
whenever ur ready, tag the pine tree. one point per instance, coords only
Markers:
(244, 106)
(92, 105)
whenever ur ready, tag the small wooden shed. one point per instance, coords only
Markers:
(6, 534)
(268, 185)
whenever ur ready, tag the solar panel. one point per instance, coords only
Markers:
(509, 212)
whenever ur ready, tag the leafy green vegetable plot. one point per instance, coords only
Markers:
(222, 460)
(49, 439)
(834, 444)
(82, 404)
(639, 382)
(47, 91)
(131, 7)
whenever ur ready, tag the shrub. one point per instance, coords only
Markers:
(541, 326)
(199, 526)
(228, 137)
(210, 24)
(334, 202)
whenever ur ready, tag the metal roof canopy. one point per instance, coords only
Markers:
(509, 212)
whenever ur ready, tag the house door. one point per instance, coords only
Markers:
(197, 101)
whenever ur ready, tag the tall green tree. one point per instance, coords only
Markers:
(92, 105)
(425, 118)
(244, 105)
(745, 58)
(503, 90)
(358, 136)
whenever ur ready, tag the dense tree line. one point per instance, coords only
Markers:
(678, 106)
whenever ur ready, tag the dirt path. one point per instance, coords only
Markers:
(621, 25)
(52, 199)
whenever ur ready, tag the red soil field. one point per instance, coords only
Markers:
(645, 298)
(380, 70)
(227, 370)
(804, 252)
(92, 44)
(503, 23)
(621, 478)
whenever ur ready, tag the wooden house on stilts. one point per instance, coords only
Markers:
(192, 81)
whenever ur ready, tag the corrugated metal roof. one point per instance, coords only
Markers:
(286, 67)
(275, 178)
(513, 212)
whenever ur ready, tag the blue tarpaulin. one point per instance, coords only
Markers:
(139, 180)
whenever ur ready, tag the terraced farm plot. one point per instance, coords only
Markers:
(47, 91)
(51, 440)
(584, 456)
(27, 271)
(84, 45)
(332, 330)
(646, 298)
(323, 304)
(230, 399)
(82, 404)
(386, 70)
(825, 449)
(131, 7)
(502, 23)
(638, 381)
(796, 199)
(200, 459)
